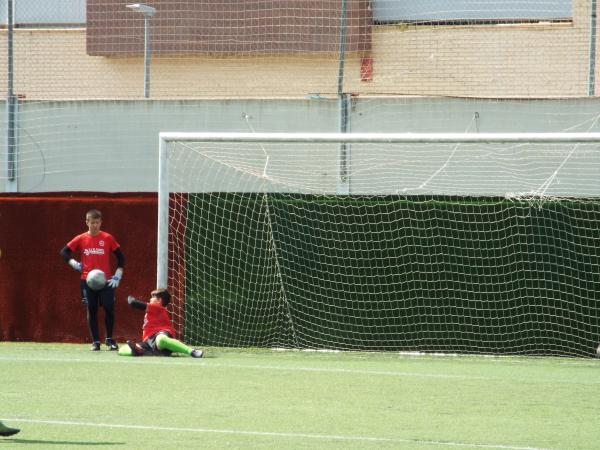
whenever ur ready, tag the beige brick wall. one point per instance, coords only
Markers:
(518, 61)
(502, 61)
(52, 64)
(494, 61)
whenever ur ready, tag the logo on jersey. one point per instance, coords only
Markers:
(93, 251)
(101, 243)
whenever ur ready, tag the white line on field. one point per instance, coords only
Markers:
(208, 364)
(211, 364)
(274, 434)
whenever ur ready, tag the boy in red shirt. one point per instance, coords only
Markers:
(158, 334)
(94, 248)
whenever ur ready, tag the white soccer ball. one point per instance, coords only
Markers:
(598, 351)
(96, 279)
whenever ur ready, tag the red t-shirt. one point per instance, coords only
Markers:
(156, 319)
(95, 251)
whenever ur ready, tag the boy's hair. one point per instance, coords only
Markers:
(93, 214)
(163, 294)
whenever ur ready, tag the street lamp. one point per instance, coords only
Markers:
(148, 12)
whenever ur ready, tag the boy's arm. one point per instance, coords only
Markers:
(116, 278)
(66, 254)
(120, 257)
(135, 303)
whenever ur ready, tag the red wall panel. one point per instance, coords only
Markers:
(228, 27)
(39, 292)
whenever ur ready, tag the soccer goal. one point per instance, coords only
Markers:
(452, 243)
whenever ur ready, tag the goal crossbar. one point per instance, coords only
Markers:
(417, 138)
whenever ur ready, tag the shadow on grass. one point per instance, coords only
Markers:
(47, 442)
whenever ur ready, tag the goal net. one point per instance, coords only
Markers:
(452, 243)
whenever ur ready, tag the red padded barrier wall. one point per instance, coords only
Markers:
(39, 292)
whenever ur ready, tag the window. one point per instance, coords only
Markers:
(45, 13)
(471, 11)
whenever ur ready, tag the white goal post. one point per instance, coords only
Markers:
(455, 182)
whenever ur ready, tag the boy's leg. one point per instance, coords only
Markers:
(108, 303)
(165, 342)
(92, 315)
(83, 288)
(132, 349)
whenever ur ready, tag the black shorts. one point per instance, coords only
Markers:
(94, 299)
(150, 345)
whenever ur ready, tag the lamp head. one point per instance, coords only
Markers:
(146, 10)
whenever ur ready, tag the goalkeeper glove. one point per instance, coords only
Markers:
(76, 265)
(116, 278)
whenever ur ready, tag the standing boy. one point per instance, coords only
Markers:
(158, 334)
(94, 248)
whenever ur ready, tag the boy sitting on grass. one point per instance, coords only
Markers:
(157, 332)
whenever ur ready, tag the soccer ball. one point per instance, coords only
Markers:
(598, 351)
(96, 279)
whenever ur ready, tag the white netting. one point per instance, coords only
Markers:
(463, 247)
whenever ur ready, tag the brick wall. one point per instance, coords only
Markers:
(490, 61)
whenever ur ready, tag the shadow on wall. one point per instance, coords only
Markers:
(39, 292)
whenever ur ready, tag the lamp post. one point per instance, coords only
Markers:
(11, 105)
(148, 12)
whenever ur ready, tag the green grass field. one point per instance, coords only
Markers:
(63, 396)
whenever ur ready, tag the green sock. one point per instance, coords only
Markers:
(124, 350)
(166, 343)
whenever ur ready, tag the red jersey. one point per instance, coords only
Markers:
(156, 319)
(95, 251)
